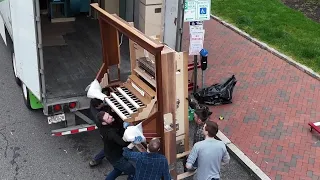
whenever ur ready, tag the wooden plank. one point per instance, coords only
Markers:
(185, 175)
(146, 111)
(170, 139)
(160, 104)
(169, 83)
(63, 19)
(105, 80)
(145, 100)
(181, 155)
(140, 51)
(129, 31)
(184, 72)
(102, 71)
(132, 53)
(143, 86)
(110, 41)
(150, 125)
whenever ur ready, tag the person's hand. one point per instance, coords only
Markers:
(191, 169)
(125, 125)
(137, 140)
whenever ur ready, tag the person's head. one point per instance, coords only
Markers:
(105, 118)
(97, 103)
(154, 145)
(210, 129)
(202, 114)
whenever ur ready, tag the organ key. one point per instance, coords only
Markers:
(130, 97)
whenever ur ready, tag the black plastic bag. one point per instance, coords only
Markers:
(217, 93)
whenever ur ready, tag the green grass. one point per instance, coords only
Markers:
(272, 22)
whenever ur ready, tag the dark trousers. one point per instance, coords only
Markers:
(99, 156)
(122, 165)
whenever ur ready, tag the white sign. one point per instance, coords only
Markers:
(197, 10)
(196, 42)
(195, 25)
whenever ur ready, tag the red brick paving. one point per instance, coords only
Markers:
(272, 105)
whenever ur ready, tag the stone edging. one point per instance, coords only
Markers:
(268, 48)
(244, 160)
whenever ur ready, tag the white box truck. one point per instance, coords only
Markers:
(52, 62)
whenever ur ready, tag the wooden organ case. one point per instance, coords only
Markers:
(140, 60)
(139, 99)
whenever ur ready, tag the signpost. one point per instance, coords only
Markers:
(195, 12)
(196, 41)
(195, 25)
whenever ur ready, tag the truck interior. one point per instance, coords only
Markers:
(72, 50)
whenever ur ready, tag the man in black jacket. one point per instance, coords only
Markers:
(96, 105)
(111, 131)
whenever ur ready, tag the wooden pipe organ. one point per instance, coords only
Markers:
(149, 94)
(144, 66)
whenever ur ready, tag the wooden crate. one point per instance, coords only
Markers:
(150, 18)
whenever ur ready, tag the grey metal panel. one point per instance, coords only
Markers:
(122, 9)
(136, 13)
(173, 22)
(40, 55)
(129, 10)
(83, 103)
(84, 117)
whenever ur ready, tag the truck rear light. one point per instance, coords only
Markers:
(57, 107)
(72, 105)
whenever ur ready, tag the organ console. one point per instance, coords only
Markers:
(149, 93)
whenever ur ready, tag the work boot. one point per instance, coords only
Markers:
(93, 162)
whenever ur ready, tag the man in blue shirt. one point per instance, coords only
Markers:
(150, 165)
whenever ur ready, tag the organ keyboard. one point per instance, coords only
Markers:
(128, 99)
(124, 103)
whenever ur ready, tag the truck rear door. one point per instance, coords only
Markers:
(23, 15)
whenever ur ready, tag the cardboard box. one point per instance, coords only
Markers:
(150, 18)
(111, 6)
(151, 2)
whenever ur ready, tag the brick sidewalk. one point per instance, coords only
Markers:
(272, 105)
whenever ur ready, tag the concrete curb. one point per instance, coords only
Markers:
(269, 49)
(242, 158)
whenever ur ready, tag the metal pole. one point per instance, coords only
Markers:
(202, 79)
(195, 73)
(180, 20)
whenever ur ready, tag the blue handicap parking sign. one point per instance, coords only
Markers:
(203, 10)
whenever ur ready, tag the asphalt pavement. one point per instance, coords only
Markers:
(29, 152)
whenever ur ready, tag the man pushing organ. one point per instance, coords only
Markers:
(143, 101)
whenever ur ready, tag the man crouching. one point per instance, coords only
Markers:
(111, 131)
